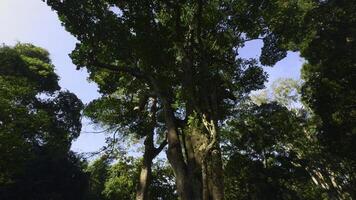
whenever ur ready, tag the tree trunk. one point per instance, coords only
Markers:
(175, 155)
(145, 181)
(150, 153)
(212, 172)
(215, 175)
(206, 170)
(146, 172)
(194, 171)
(188, 175)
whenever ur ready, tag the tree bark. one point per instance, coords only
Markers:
(145, 179)
(212, 173)
(194, 171)
(215, 175)
(150, 153)
(175, 155)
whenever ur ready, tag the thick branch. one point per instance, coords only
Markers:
(160, 148)
(133, 71)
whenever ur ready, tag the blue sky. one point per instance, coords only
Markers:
(32, 21)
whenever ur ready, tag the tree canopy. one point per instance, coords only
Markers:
(172, 83)
(37, 124)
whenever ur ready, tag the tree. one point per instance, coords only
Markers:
(329, 76)
(329, 85)
(113, 179)
(268, 155)
(98, 173)
(325, 36)
(117, 113)
(258, 128)
(283, 91)
(324, 33)
(183, 54)
(37, 124)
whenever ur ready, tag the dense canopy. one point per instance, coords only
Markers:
(173, 85)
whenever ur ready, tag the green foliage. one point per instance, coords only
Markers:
(329, 75)
(119, 113)
(163, 183)
(98, 171)
(118, 179)
(122, 180)
(185, 52)
(324, 33)
(285, 92)
(329, 87)
(267, 155)
(37, 124)
(26, 60)
(156, 40)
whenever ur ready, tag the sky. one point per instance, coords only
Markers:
(32, 21)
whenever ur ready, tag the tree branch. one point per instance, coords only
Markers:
(250, 39)
(133, 71)
(160, 148)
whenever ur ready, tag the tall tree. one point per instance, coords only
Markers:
(329, 87)
(267, 155)
(185, 55)
(37, 124)
(270, 145)
(325, 35)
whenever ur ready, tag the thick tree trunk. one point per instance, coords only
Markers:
(207, 172)
(188, 175)
(215, 175)
(175, 155)
(194, 171)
